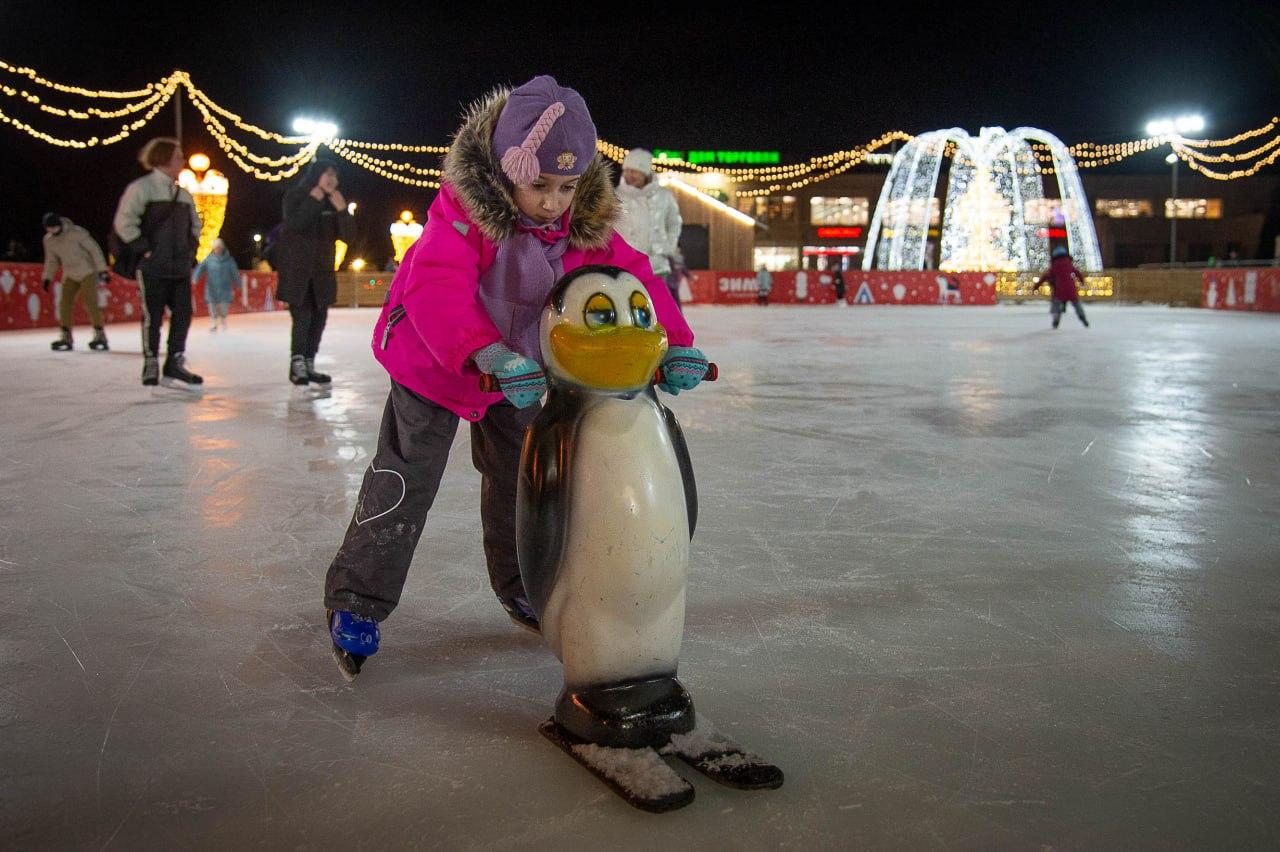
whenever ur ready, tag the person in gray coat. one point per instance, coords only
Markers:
(315, 216)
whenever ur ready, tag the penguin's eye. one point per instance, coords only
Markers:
(641, 313)
(599, 312)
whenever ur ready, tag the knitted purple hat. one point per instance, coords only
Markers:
(544, 127)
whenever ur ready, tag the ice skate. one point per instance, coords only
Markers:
(150, 370)
(176, 375)
(313, 376)
(63, 343)
(522, 614)
(355, 639)
(298, 373)
(99, 342)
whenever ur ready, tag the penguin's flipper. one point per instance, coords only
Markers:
(686, 466)
(542, 505)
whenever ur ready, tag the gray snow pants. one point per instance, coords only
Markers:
(369, 570)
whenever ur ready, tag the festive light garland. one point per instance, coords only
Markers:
(775, 178)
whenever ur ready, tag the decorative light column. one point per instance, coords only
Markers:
(404, 233)
(208, 187)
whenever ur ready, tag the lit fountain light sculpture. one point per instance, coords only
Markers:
(404, 233)
(994, 182)
(208, 187)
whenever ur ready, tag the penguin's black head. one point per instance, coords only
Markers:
(599, 331)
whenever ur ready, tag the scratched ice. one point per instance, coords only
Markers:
(970, 582)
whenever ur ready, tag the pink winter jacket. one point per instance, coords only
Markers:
(436, 289)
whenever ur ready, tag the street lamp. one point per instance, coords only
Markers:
(319, 131)
(1174, 129)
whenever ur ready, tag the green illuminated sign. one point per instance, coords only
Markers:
(720, 158)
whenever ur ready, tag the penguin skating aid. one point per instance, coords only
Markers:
(606, 506)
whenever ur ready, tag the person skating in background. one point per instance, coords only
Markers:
(650, 220)
(1062, 276)
(764, 285)
(525, 199)
(221, 277)
(69, 246)
(315, 216)
(837, 276)
(157, 221)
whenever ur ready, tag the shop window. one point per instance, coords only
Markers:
(1193, 208)
(777, 258)
(782, 208)
(755, 206)
(825, 210)
(1123, 208)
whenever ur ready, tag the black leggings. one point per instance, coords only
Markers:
(309, 318)
(158, 293)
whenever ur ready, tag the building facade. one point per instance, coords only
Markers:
(819, 226)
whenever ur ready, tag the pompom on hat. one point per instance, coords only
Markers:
(640, 160)
(544, 127)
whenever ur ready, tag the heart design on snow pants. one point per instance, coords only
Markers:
(384, 490)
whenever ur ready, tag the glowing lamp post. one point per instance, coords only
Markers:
(1174, 129)
(404, 232)
(209, 189)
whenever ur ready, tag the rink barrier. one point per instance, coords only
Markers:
(1241, 290)
(24, 304)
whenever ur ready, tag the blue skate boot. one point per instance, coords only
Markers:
(355, 639)
(522, 614)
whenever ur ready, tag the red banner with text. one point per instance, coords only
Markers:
(1242, 290)
(25, 304)
(861, 288)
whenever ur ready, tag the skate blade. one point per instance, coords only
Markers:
(723, 760)
(348, 664)
(175, 384)
(655, 787)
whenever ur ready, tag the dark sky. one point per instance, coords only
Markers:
(798, 78)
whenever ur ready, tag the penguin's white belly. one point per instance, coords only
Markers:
(617, 608)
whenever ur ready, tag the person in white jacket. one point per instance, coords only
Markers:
(650, 220)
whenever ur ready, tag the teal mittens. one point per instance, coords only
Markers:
(520, 379)
(682, 369)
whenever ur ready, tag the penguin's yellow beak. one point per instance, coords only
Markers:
(616, 358)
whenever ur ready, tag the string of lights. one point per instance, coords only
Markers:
(1199, 154)
(377, 166)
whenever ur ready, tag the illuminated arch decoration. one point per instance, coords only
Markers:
(993, 179)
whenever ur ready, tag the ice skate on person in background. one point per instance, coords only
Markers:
(175, 375)
(605, 507)
(64, 342)
(298, 370)
(315, 377)
(355, 640)
(99, 341)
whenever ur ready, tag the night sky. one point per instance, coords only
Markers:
(804, 81)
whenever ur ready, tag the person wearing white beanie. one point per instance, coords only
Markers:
(650, 220)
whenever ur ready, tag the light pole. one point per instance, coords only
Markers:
(1174, 129)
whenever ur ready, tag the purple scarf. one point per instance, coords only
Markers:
(515, 287)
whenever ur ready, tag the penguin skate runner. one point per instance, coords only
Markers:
(606, 506)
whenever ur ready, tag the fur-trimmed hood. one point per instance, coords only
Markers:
(472, 169)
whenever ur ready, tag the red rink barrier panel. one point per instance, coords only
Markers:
(24, 304)
(861, 288)
(1242, 290)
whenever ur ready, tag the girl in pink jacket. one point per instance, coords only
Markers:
(524, 199)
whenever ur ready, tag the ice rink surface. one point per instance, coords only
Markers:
(971, 582)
